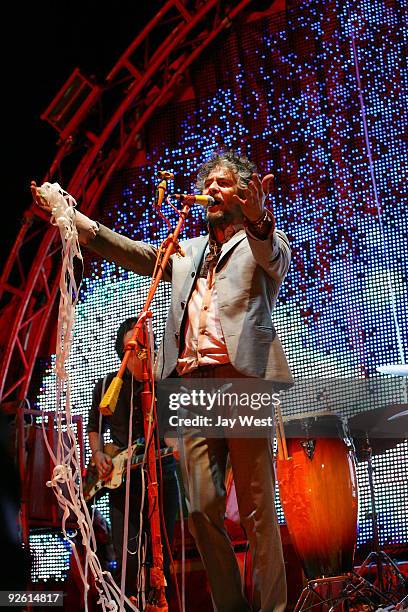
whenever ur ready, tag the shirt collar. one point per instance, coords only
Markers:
(228, 232)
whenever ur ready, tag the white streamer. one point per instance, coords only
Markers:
(66, 478)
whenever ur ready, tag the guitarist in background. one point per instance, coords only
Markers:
(118, 423)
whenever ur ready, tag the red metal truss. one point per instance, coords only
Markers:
(146, 77)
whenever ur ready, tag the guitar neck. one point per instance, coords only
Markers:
(138, 458)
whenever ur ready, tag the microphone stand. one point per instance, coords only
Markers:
(107, 406)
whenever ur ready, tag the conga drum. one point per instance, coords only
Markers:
(318, 493)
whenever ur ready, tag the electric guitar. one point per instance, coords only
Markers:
(92, 484)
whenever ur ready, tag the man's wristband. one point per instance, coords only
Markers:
(262, 228)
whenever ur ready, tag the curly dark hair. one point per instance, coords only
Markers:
(238, 164)
(121, 333)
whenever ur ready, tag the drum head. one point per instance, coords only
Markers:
(322, 424)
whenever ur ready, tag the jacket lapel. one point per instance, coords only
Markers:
(189, 267)
(197, 252)
(232, 242)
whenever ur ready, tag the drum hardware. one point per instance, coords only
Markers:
(400, 369)
(388, 575)
(394, 369)
(341, 593)
(378, 430)
(309, 447)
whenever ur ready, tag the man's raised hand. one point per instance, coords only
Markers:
(39, 198)
(254, 196)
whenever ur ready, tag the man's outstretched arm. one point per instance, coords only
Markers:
(140, 257)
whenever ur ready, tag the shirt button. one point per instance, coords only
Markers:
(193, 274)
(205, 307)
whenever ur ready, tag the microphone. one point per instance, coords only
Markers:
(196, 199)
(165, 175)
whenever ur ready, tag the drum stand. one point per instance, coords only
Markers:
(341, 593)
(353, 590)
(389, 579)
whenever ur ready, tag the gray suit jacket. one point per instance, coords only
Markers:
(248, 276)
